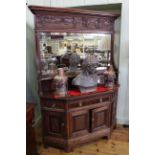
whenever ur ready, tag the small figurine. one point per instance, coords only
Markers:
(110, 77)
(53, 69)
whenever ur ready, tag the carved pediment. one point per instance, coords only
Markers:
(58, 22)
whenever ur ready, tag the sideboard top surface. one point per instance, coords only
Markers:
(82, 96)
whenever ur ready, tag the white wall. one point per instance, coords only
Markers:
(123, 96)
(39, 2)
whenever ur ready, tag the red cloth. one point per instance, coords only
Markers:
(78, 93)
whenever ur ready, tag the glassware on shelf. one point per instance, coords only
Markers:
(100, 79)
(53, 69)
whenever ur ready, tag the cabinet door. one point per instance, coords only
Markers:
(100, 118)
(53, 123)
(79, 123)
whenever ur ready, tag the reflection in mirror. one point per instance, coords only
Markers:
(56, 49)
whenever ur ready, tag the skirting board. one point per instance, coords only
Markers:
(122, 120)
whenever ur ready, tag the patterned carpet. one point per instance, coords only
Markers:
(117, 145)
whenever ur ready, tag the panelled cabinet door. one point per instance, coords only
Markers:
(54, 123)
(100, 118)
(79, 123)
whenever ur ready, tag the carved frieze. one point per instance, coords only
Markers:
(93, 23)
(106, 23)
(58, 22)
(49, 21)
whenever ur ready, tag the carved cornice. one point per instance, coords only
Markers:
(58, 22)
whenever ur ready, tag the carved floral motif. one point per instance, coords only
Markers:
(93, 23)
(74, 22)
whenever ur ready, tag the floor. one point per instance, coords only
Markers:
(117, 145)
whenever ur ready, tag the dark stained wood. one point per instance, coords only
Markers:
(53, 123)
(79, 121)
(113, 110)
(30, 132)
(101, 117)
(70, 22)
(84, 118)
(73, 120)
(50, 10)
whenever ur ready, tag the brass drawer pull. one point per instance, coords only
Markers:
(100, 99)
(53, 105)
(80, 104)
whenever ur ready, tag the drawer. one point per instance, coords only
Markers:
(82, 103)
(52, 104)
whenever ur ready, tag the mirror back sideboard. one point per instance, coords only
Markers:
(73, 120)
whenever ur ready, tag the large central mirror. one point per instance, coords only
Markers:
(56, 48)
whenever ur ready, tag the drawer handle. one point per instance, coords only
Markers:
(62, 124)
(80, 104)
(53, 105)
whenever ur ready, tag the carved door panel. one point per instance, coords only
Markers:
(79, 123)
(100, 118)
(54, 123)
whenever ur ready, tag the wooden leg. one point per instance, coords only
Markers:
(107, 137)
(115, 126)
(46, 146)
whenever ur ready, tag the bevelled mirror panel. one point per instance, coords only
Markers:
(56, 46)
